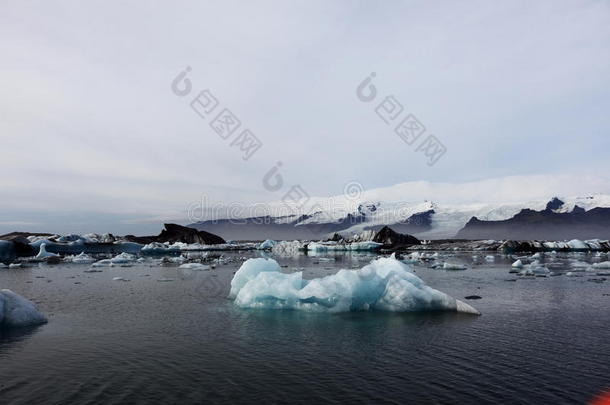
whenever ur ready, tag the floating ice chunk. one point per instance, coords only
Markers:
(268, 244)
(454, 266)
(194, 266)
(17, 311)
(334, 246)
(601, 265)
(385, 284)
(364, 246)
(577, 244)
(415, 256)
(83, 258)
(159, 248)
(249, 270)
(579, 265)
(103, 263)
(123, 258)
(43, 254)
(518, 264)
(288, 248)
(119, 279)
(535, 271)
(536, 256)
(490, 258)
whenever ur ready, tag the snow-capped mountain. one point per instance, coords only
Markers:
(424, 219)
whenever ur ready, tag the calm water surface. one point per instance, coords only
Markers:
(170, 336)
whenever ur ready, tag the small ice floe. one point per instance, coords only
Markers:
(267, 245)
(578, 265)
(453, 266)
(165, 280)
(603, 273)
(518, 264)
(535, 272)
(194, 266)
(601, 265)
(572, 274)
(178, 259)
(159, 248)
(536, 256)
(123, 258)
(103, 263)
(15, 266)
(17, 311)
(43, 254)
(411, 258)
(490, 258)
(83, 258)
(120, 279)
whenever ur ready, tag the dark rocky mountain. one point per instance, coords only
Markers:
(547, 224)
(557, 218)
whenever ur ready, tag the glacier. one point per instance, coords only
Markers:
(386, 284)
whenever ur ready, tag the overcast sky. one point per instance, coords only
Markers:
(94, 139)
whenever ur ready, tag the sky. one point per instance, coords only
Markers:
(96, 139)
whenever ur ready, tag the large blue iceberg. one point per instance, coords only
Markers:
(385, 284)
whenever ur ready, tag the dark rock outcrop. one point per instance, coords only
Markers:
(554, 204)
(394, 240)
(178, 233)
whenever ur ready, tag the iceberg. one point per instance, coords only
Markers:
(7, 251)
(340, 247)
(43, 254)
(536, 271)
(123, 258)
(577, 244)
(267, 245)
(194, 266)
(518, 264)
(83, 258)
(17, 311)
(453, 266)
(156, 248)
(601, 265)
(386, 284)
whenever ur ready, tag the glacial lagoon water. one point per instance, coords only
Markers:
(169, 335)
